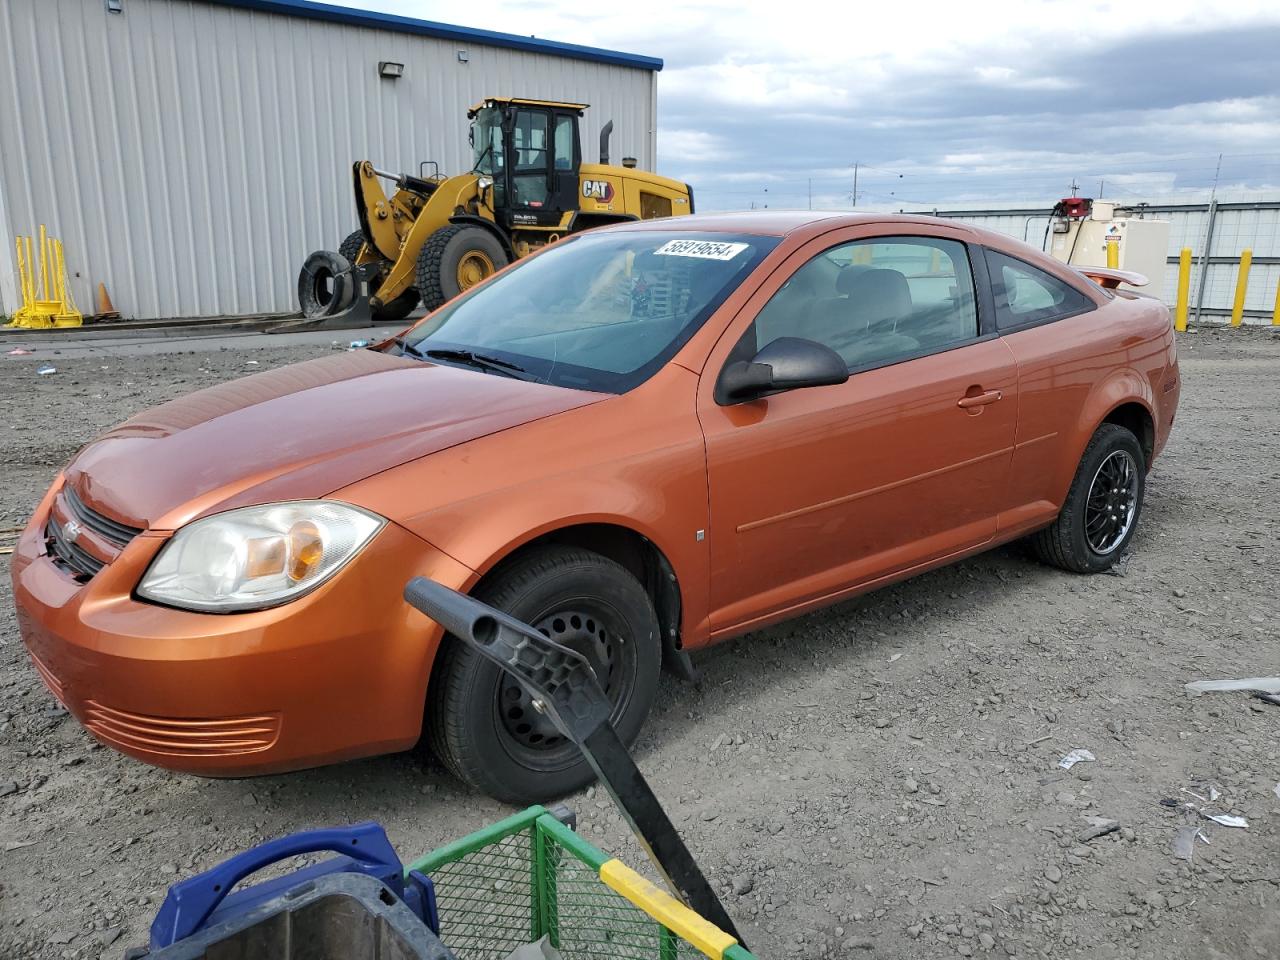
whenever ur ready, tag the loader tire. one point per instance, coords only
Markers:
(352, 245)
(397, 309)
(454, 258)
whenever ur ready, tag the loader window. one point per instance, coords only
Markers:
(564, 143)
(530, 145)
(486, 142)
(597, 312)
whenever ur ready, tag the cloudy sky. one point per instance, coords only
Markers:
(939, 103)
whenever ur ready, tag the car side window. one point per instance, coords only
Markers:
(1026, 295)
(877, 301)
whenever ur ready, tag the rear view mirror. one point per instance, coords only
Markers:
(788, 363)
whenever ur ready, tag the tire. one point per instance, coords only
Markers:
(443, 256)
(326, 284)
(352, 245)
(397, 309)
(1090, 538)
(484, 729)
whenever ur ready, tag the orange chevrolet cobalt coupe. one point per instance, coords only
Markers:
(646, 439)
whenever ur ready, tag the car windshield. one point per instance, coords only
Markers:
(601, 311)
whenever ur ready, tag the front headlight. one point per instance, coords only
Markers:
(257, 557)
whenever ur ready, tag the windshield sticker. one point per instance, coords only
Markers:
(702, 249)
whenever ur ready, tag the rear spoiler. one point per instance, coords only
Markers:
(1110, 279)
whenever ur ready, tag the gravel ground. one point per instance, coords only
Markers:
(876, 780)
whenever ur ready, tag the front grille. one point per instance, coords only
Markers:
(73, 558)
(220, 737)
(118, 533)
(81, 564)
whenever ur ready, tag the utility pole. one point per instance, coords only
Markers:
(855, 183)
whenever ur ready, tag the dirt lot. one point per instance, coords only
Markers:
(877, 780)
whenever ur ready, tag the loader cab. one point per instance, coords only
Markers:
(531, 151)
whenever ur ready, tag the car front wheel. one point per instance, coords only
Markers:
(483, 725)
(1102, 507)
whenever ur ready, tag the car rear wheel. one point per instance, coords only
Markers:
(482, 724)
(1102, 507)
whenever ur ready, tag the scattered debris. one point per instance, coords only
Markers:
(1248, 684)
(251, 363)
(1213, 792)
(1184, 842)
(19, 845)
(19, 352)
(1098, 827)
(1277, 790)
(1074, 757)
(357, 344)
(47, 369)
(1272, 698)
(1226, 819)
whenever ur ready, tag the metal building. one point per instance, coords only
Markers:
(191, 153)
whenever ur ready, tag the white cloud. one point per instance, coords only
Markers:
(935, 98)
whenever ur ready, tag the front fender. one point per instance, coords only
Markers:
(635, 461)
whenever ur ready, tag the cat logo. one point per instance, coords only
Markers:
(599, 190)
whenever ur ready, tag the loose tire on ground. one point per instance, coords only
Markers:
(455, 250)
(326, 284)
(1068, 542)
(397, 309)
(482, 726)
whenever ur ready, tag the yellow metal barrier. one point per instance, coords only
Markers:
(1184, 290)
(48, 301)
(666, 909)
(1275, 315)
(1113, 253)
(1242, 285)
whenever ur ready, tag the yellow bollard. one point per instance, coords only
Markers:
(1275, 316)
(1184, 290)
(1113, 253)
(1242, 285)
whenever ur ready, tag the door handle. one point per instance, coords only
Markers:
(980, 400)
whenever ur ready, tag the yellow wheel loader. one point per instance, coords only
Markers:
(436, 236)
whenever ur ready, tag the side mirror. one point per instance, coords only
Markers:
(788, 363)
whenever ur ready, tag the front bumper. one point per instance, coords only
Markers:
(337, 674)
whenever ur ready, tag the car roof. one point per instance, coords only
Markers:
(776, 223)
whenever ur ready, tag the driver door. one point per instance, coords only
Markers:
(821, 491)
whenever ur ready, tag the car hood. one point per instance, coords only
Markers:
(298, 432)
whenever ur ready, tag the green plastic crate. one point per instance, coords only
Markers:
(530, 876)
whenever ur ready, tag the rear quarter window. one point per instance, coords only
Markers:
(1026, 296)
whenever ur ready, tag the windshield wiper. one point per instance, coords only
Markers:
(480, 361)
(407, 347)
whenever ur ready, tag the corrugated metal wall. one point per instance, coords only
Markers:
(191, 155)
